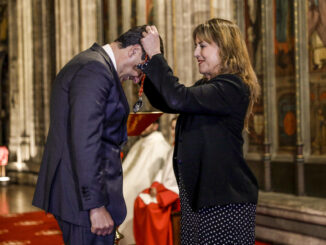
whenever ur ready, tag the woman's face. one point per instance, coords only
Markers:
(208, 58)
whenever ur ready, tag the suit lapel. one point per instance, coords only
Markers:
(123, 97)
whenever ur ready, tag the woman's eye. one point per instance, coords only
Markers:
(200, 46)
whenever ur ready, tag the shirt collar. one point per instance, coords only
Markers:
(109, 51)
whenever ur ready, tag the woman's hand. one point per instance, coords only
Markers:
(151, 41)
(153, 192)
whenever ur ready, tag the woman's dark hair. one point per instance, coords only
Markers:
(233, 53)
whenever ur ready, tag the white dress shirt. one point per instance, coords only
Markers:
(109, 51)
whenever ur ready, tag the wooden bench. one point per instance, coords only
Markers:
(175, 217)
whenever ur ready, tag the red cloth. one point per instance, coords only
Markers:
(152, 222)
(261, 243)
(3, 156)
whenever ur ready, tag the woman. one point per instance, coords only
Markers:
(218, 191)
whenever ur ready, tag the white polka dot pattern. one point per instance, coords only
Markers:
(223, 224)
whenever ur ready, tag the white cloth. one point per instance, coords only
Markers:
(143, 162)
(166, 177)
(110, 53)
(147, 198)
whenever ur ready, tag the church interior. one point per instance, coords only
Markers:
(286, 144)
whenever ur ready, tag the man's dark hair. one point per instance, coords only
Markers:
(133, 36)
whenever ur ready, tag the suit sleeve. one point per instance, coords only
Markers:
(215, 97)
(87, 99)
(155, 97)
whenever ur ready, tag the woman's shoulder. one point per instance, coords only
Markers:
(232, 80)
(200, 82)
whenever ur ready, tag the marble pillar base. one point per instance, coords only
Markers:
(4, 181)
(289, 219)
(23, 173)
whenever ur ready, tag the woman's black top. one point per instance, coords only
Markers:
(208, 145)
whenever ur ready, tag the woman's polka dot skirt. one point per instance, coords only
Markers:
(224, 224)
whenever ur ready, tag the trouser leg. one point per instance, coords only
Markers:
(79, 235)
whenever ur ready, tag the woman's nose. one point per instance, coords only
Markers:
(196, 52)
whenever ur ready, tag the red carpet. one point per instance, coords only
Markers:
(29, 229)
(34, 228)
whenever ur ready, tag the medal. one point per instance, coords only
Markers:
(139, 102)
(138, 105)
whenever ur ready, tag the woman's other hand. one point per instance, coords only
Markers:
(153, 192)
(151, 41)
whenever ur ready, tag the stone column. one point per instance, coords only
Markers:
(100, 22)
(113, 20)
(126, 15)
(202, 11)
(169, 32)
(128, 86)
(222, 9)
(3, 71)
(302, 89)
(239, 17)
(67, 30)
(159, 18)
(141, 12)
(22, 138)
(25, 61)
(160, 21)
(76, 28)
(269, 92)
(88, 23)
(183, 35)
(44, 68)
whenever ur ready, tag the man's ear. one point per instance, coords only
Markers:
(134, 49)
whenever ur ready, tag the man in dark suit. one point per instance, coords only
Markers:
(80, 179)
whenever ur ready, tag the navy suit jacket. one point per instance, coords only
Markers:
(81, 167)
